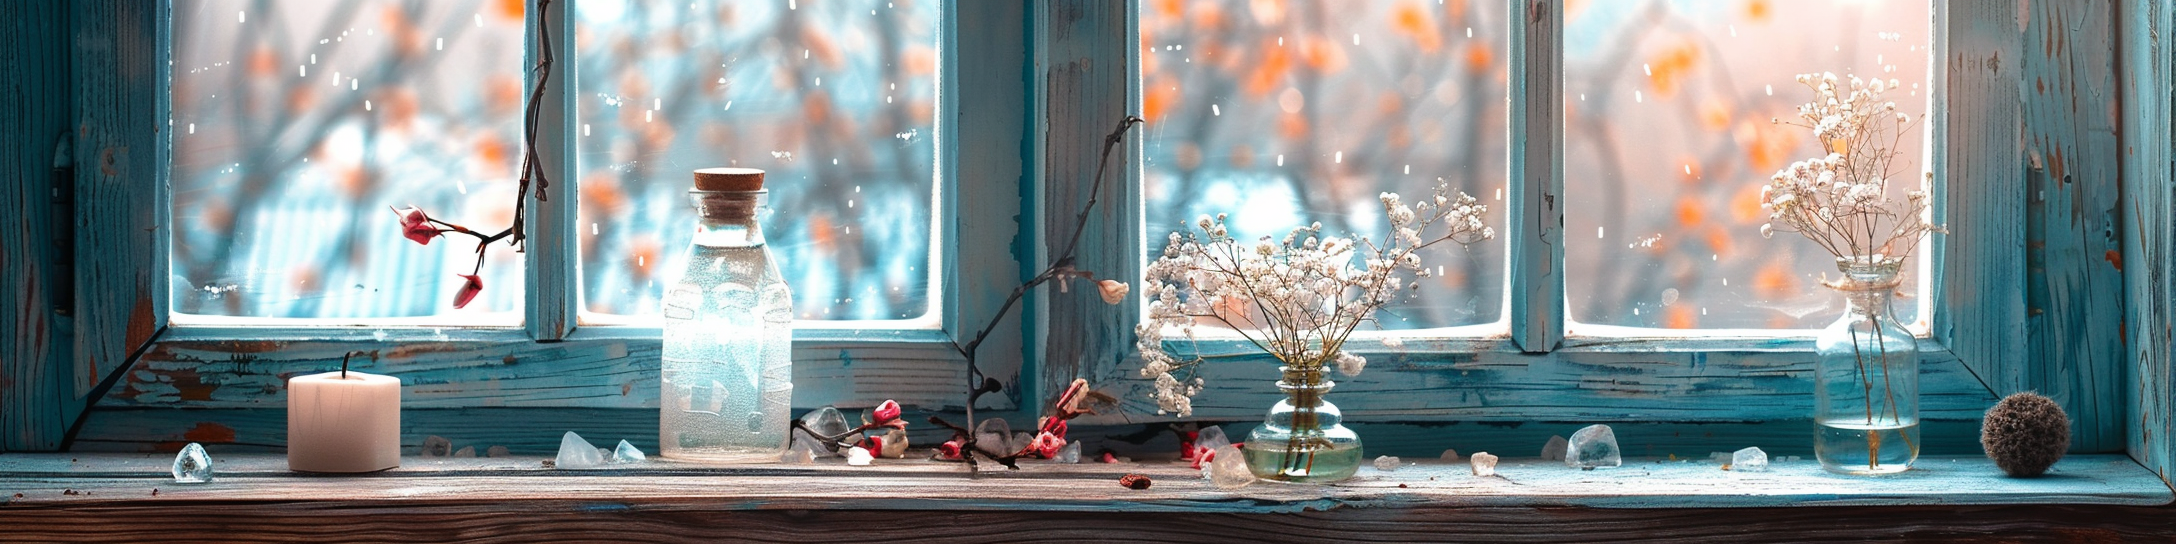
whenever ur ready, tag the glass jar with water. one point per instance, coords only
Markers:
(728, 347)
(1866, 377)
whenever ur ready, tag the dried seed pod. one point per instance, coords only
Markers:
(1134, 481)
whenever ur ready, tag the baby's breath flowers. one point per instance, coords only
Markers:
(1841, 200)
(1297, 299)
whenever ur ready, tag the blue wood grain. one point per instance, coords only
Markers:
(536, 431)
(122, 144)
(456, 368)
(1087, 68)
(35, 342)
(2074, 286)
(1661, 381)
(984, 155)
(2147, 62)
(1977, 170)
(1536, 214)
(551, 255)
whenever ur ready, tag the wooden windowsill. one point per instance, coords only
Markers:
(44, 479)
(76, 495)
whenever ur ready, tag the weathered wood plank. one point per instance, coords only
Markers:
(1610, 382)
(34, 110)
(1042, 486)
(482, 521)
(1982, 317)
(1536, 216)
(552, 521)
(2074, 290)
(537, 431)
(984, 156)
(551, 255)
(2148, 122)
(455, 368)
(122, 144)
(1087, 59)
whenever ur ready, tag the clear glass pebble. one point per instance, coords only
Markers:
(1594, 447)
(1211, 438)
(1450, 455)
(1484, 464)
(1387, 463)
(192, 465)
(798, 454)
(577, 453)
(1554, 450)
(993, 434)
(465, 452)
(1228, 470)
(1749, 460)
(859, 457)
(627, 453)
(1070, 454)
(497, 451)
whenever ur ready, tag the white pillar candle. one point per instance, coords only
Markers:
(343, 423)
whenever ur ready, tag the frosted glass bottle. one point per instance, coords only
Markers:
(728, 362)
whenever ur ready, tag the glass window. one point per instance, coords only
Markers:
(834, 99)
(298, 125)
(1287, 113)
(1668, 139)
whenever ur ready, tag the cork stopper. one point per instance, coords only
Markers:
(728, 179)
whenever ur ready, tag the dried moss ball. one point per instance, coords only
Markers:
(2025, 434)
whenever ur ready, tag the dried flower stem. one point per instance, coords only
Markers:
(1060, 268)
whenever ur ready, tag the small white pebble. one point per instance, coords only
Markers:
(1387, 463)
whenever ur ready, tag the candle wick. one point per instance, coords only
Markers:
(344, 364)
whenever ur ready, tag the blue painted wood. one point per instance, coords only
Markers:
(196, 368)
(1976, 169)
(2147, 62)
(122, 143)
(2074, 287)
(34, 113)
(1536, 217)
(551, 255)
(536, 431)
(1087, 71)
(1697, 381)
(984, 152)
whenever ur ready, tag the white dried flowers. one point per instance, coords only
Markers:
(1841, 200)
(1298, 298)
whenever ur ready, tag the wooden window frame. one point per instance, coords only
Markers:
(1039, 112)
(1730, 382)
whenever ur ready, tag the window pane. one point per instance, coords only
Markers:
(1286, 113)
(298, 124)
(834, 99)
(1668, 139)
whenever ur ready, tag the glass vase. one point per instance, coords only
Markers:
(1866, 386)
(1304, 439)
(727, 370)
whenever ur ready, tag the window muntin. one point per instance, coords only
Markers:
(1668, 138)
(297, 124)
(835, 100)
(1287, 113)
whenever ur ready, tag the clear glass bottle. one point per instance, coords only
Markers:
(1304, 439)
(1866, 377)
(727, 374)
